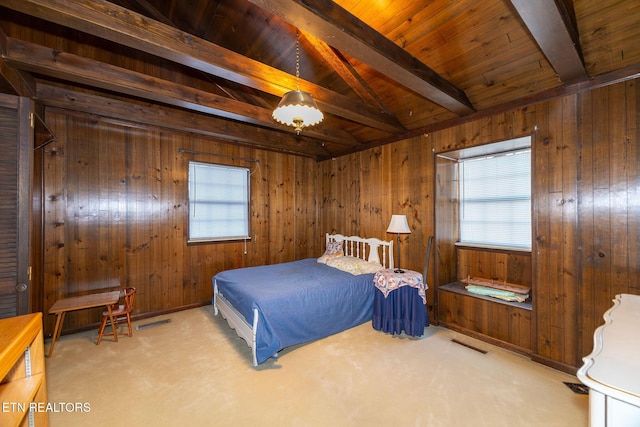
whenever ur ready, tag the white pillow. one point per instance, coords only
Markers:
(334, 250)
(354, 265)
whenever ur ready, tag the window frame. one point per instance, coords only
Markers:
(492, 149)
(190, 203)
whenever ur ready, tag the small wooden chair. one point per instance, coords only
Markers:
(120, 312)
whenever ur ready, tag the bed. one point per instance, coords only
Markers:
(276, 306)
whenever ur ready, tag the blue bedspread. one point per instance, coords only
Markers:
(297, 301)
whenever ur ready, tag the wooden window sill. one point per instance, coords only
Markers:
(459, 288)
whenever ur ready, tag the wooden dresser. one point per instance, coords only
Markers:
(23, 388)
(612, 370)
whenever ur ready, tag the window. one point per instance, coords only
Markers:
(495, 198)
(218, 202)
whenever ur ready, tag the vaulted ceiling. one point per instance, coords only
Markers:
(380, 70)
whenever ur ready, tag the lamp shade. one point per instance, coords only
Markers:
(298, 109)
(399, 224)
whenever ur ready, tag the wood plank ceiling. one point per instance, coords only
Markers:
(380, 70)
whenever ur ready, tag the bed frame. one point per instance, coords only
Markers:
(368, 249)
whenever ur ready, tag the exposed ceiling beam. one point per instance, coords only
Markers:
(341, 66)
(32, 57)
(119, 25)
(345, 32)
(552, 30)
(154, 13)
(154, 115)
(21, 83)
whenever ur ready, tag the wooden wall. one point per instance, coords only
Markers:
(115, 208)
(359, 193)
(114, 204)
(114, 198)
(510, 266)
(585, 209)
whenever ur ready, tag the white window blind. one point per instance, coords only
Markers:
(495, 200)
(218, 202)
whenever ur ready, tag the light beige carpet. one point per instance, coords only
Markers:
(195, 371)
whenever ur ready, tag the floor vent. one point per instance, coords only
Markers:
(152, 324)
(469, 346)
(577, 388)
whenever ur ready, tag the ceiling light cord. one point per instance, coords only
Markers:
(297, 60)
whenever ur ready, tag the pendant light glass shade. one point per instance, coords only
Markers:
(298, 109)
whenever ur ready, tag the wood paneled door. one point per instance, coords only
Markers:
(16, 138)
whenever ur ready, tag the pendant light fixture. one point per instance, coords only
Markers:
(297, 108)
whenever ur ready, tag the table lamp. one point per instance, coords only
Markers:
(399, 225)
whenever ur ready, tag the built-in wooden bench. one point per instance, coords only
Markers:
(503, 323)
